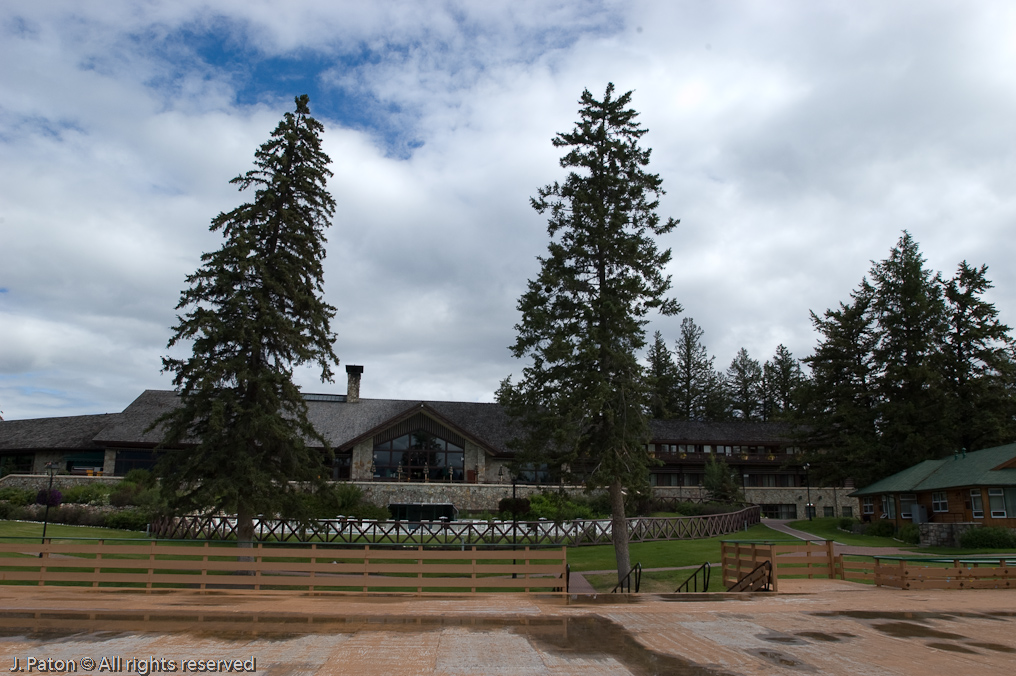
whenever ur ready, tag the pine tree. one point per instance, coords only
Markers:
(782, 379)
(696, 375)
(841, 396)
(254, 312)
(910, 312)
(662, 378)
(583, 398)
(744, 382)
(978, 364)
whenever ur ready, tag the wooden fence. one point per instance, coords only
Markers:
(817, 559)
(542, 533)
(317, 568)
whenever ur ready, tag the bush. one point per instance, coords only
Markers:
(368, 510)
(19, 497)
(847, 523)
(910, 534)
(140, 477)
(128, 519)
(557, 507)
(92, 493)
(988, 537)
(882, 529)
(516, 506)
(49, 496)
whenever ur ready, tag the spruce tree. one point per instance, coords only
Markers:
(582, 399)
(254, 312)
(782, 379)
(910, 312)
(744, 383)
(662, 377)
(978, 364)
(695, 373)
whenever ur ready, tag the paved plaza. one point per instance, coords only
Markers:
(811, 626)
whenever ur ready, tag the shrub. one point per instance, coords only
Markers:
(49, 496)
(557, 507)
(17, 496)
(988, 537)
(124, 494)
(847, 523)
(516, 506)
(140, 477)
(128, 519)
(910, 534)
(882, 529)
(368, 510)
(92, 493)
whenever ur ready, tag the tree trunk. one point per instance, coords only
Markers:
(619, 530)
(245, 533)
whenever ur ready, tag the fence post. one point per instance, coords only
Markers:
(830, 553)
(773, 571)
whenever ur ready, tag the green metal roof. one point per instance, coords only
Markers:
(957, 471)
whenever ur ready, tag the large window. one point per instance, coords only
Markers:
(888, 507)
(996, 502)
(418, 456)
(867, 505)
(976, 505)
(16, 464)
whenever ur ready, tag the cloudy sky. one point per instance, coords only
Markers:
(796, 140)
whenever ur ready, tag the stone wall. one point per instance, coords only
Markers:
(943, 534)
(468, 497)
(60, 481)
(836, 498)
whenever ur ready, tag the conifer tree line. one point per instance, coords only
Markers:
(685, 384)
(913, 367)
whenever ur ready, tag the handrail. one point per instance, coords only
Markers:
(637, 571)
(685, 586)
(761, 577)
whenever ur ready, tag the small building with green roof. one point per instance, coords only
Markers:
(976, 488)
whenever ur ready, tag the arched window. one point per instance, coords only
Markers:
(419, 456)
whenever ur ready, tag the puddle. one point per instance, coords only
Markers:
(576, 637)
(786, 640)
(782, 660)
(911, 630)
(953, 648)
(827, 638)
(875, 615)
(997, 647)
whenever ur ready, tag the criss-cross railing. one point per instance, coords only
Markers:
(356, 531)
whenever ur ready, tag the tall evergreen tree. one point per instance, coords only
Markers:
(696, 375)
(841, 396)
(583, 398)
(744, 383)
(254, 312)
(979, 370)
(662, 377)
(911, 316)
(782, 379)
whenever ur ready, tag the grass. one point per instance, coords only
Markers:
(666, 554)
(31, 530)
(827, 528)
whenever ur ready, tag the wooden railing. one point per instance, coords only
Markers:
(317, 568)
(817, 559)
(543, 533)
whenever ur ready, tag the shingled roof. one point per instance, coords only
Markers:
(731, 432)
(980, 468)
(69, 433)
(341, 423)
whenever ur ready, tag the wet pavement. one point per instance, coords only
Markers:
(810, 627)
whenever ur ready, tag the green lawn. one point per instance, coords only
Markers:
(33, 530)
(826, 528)
(666, 554)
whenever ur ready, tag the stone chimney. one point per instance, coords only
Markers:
(353, 386)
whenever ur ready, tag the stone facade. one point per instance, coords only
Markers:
(465, 497)
(943, 534)
(821, 498)
(60, 481)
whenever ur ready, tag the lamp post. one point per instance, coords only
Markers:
(51, 466)
(807, 484)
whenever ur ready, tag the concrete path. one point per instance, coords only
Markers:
(810, 627)
(838, 548)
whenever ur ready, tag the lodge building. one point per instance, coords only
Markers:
(410, 451)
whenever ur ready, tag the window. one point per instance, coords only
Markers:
(908, 502)
(534, 474)
(867, 505)
(976, 506)
(888, 507)
(779, 511)
(419, 456)
(828, 510)
(848, 512)
(996, 502)
(939, 502)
